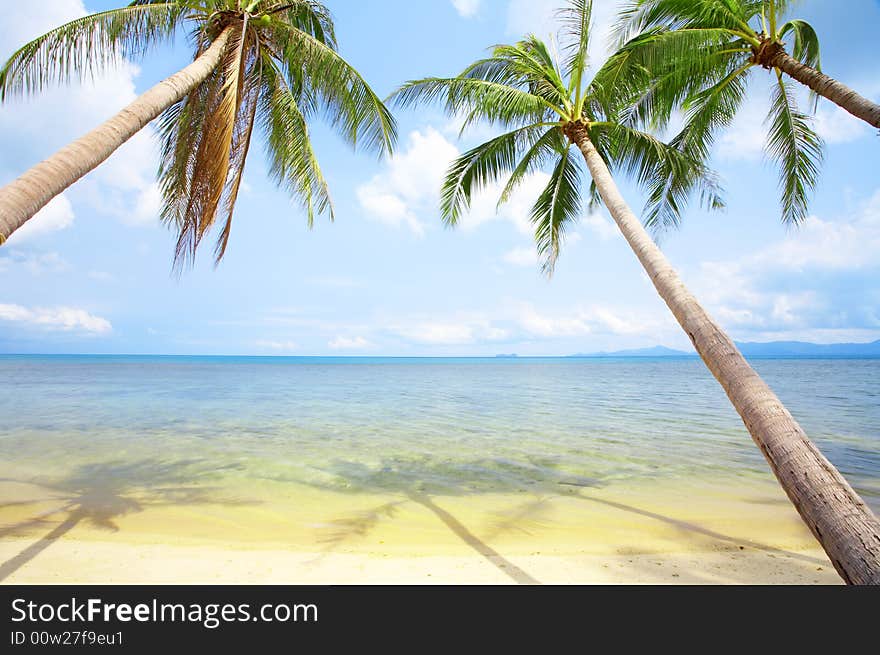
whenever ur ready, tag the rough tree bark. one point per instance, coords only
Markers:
(827, 87)
(25, 196)
(839, 519)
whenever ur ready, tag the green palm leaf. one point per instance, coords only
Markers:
(557, 207)
(805, 48)
(575, 21)
(796, 148)
(84, 47)
(551, 143)
(481, 166)
(346, 99)
(293, 163)
(699, 54)
(493, 102)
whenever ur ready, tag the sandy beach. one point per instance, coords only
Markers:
(607, 536)
(550, 472)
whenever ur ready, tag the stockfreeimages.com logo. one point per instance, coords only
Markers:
(209, 615)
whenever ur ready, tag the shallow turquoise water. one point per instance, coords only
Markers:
(440, 426)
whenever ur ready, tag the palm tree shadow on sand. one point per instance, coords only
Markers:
(688, 527)
(100, 494)
(421, 480)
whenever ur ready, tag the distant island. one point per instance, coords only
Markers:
(775, 349)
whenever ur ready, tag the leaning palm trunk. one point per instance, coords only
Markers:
(828, 87)
(28, 194)
(844, 526)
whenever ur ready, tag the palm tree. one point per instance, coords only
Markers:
(548, 107)
(275, 60)
(749, 33)
(702, 54)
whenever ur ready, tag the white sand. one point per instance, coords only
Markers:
(685, 535)
(73, 562)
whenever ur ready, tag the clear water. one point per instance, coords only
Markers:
(443, 427)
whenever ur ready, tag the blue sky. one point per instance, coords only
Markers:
(92, 273)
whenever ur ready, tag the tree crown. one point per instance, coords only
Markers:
(701, 54)
(280, 68)
(542, 98)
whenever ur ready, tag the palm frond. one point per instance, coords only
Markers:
(711, 110)
(481, 166)
(346, 99)
(551, 143)
(85, 47)
(796, 148)
(669, 175)
(806, 43)
(240, 145)
(293, 163)
(558, 206)
(308, 16)
(805, 48)
(537, 70)
(493, 102)
(182, 128)
(208, 170)
(639, 15)
(576, 19)
(664, 68)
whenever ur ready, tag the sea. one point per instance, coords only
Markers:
(294, 449)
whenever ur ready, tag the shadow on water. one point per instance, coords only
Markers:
(421, 480)
(100, 494)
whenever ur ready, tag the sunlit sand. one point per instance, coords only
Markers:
(567, 533)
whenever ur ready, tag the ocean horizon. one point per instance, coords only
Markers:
(380, 358)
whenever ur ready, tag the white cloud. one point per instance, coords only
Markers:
(147, 207)
(617, 324)
(281, 346)
(32, 128)
(744, 139)
(349, 343)
(601, 226)
(409, 189)
(827, 260)
(836, 125)
(31, 24)
(466, 8)
(67, 319)
(517, 210)
(595, 320)
(453, 331)
(34, 263)
(552, 326)
(410, 182)
(336, 282)
(57, 215)
(845, 244)
(521, 257)
(438, 333)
